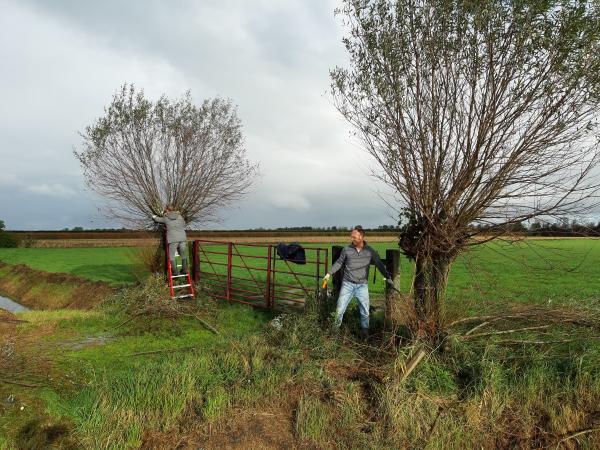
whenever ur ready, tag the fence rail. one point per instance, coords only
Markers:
(233, 272)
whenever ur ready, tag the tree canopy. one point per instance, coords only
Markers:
(476, 112)
(142, 155)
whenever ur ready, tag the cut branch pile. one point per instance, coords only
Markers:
(151, 299)
(531, 325)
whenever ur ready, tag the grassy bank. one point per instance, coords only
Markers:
(42, 290)
(107, 379)
(113, 265)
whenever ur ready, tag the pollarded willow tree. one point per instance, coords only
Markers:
(474, 111)
(142, 155)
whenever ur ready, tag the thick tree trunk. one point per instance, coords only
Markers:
(429, 285)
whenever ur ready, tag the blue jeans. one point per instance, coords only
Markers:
(349, 290)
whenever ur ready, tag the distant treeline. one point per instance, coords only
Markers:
(562, 228)
(141, 234)
(261, 229)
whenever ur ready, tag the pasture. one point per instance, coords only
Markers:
(537, 271)
(138, 371)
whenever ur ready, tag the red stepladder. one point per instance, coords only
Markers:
(186, 276)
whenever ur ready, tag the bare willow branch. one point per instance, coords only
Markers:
(516, 330)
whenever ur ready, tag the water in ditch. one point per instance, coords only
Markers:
(10, 305)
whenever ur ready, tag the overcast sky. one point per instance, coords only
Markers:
(63, 60)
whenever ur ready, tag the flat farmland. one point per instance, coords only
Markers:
(524, 271)
(115, 265)
(150, 241)
(68, 239)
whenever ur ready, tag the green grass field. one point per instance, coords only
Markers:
(97, 379)
(99, 264)
(528, 271)
(107, 378)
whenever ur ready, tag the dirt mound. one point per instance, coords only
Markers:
(8, 322)
(265, 426)
(43, 290)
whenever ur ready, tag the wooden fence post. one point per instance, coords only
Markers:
(268, 288)
(229, 254)
(392, 264)
(336, 251)
(327, 305)
(163, 234)
(195, 261)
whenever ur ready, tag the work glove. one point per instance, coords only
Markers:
(325, 280)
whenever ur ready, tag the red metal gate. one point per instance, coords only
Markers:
(254, 274)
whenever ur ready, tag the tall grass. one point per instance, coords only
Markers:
(115, 409)
(468, 394)
(480, 399)
(312, 419)
(119, 392)
(472, 393)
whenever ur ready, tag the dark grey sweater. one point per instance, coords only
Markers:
(175, 226)
(356, 264)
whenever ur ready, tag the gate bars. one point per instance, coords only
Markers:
(253, 274)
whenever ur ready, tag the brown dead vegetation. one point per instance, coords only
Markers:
(520, 318)
(243, 239)
(79, 243)
(268, 425)
(8, 322)
(42, 290)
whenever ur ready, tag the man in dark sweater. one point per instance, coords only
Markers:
(176, 238)
(356, 259)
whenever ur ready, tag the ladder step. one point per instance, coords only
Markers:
(181, 286)
(178, 276)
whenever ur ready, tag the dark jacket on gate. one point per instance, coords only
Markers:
(293, 252)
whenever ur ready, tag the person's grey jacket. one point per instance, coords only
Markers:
(356, 264)
(175, 226)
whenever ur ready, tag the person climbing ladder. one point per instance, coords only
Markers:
(176, 238)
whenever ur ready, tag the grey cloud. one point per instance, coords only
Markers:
(51, 190)
(340, 207)
(22, 210)
(67, 58)
(290, 201)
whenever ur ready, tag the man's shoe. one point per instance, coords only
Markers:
(364, 334)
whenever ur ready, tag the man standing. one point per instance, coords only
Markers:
(356, 259)
(176, 238)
